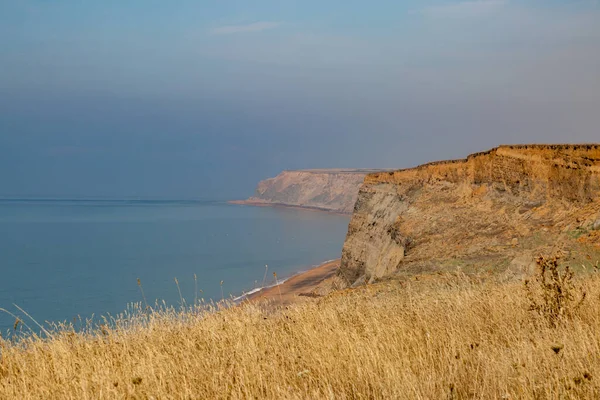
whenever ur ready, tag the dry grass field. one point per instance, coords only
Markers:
(446, 336)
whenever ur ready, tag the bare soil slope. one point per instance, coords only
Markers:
(494, 211)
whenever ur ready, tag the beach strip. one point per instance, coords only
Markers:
(298, 286)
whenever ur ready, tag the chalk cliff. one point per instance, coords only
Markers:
(493, 211)
(324, 189)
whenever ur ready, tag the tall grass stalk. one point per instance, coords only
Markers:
(449, 336)
(265, 276)
(278, 285)
(195, 289)
(181, 300)
(139, 283)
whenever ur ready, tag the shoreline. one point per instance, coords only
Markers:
(295, 288)
(283, 205)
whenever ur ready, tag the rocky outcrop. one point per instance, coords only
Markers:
(491, 211)
(324, 189)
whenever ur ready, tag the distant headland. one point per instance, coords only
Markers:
(333, 190)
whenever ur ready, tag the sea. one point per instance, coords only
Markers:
(72, 260)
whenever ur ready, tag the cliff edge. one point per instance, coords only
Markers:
(333, 190)
(493, 211)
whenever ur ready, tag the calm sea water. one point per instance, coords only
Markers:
(62, 259)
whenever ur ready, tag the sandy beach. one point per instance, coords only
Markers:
(298, 286)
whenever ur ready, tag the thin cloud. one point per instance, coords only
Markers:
(253, 27)
(464, 9)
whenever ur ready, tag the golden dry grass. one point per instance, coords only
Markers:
(435, 338)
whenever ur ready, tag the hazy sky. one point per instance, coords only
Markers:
(174, 99)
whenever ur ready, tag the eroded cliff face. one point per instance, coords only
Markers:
(326, 189)
(494, 210)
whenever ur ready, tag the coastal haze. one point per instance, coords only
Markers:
(151, 101)
(265, 181)
(147, 99)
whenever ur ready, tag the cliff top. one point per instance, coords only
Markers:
(594, 148)
(339, 170)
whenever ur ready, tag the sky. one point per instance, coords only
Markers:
(202, 99)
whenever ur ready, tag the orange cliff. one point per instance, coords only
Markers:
(491, 211)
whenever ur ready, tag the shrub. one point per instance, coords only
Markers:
(553, 293)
